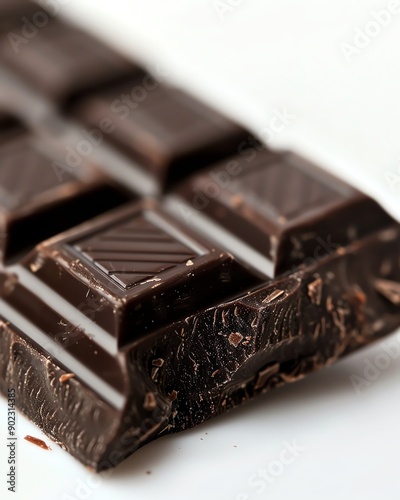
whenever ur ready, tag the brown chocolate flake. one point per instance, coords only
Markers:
(315, 291)
(360, 297)
(150, 402)
(266, 374)
(329, 304)
(272, 296)
(389, 289)
(235, 339)
(154, 372)
(214, 373)
(37, 442)
(274, 242)
(173, 395)
(157, 362)
(66, 377)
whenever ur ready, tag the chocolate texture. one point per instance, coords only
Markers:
(63, 62)
(126, 319)
(168, 133)
(40, 195)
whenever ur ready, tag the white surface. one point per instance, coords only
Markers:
(265, 55)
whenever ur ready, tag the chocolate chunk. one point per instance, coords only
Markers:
(40, 196)
(135, 324)
(169, 133)
(142, 268)
(283, 206)
(195, 368)
(63, 62)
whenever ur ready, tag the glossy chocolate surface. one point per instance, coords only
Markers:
(166, 131)
(63, 62)
(40, 195)
(131, 322)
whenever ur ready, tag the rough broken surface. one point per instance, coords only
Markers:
(214, 360)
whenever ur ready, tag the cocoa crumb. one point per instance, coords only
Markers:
(37, 442)
(272, 296)
(315, 291)
(235, 339)
(158, 362)
(173, 395)
(66, 377)
(150, 402)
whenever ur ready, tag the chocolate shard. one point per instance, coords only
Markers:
(166, 131)
(285, 207)
(40, 196)
(63, 62)
(143, 269)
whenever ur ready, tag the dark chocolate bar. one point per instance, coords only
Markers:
(283, 206)
(138, 263)
(40, 195)
(131, 322)
(163, 129)
(63, 62)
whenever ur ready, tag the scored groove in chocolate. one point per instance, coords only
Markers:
(283, 191)
(25, 172)
(306, 213)
(96, 381)
(134, 251)
(201, 274)
(38, 200)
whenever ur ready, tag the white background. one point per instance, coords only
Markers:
(251, 59)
